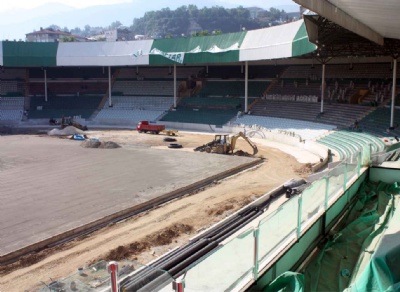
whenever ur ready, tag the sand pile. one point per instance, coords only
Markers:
(109, 145)
(94, 143)
(70, 130)
(91, 143)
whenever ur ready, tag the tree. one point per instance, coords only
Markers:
(87, 30)
(115, 24)
(68, 39)
(54, 27)
(201, 33)
(186, 19)
(76, 31)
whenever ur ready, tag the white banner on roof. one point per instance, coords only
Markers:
(269, 43)
(174, 56)
(104, 53)
(215, 49)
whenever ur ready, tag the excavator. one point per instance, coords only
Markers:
(69, 121)
(223, 144)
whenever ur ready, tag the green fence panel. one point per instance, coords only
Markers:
(366, 156)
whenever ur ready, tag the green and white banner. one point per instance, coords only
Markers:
(284, 41)
(173, 56)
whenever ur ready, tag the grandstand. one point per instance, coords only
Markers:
(276, 92)
(66, 105)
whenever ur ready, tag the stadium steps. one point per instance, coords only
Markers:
(270, 86)
(376, 143)
(336, 148)
(350, 143)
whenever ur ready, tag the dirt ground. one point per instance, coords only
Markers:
(147, 236)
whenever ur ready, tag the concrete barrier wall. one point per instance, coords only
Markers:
(191, 127)
(116, 122)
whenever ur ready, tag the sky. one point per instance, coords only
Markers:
(19, 17)
(18, 4)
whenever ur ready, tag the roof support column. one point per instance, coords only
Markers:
(109, 87)
(175, 98)
(246, 85)
(45, 85)
(323, 88)
(393, 93)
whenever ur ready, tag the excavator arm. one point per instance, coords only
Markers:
(241, 134)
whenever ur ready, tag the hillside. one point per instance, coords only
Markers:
(189, 20)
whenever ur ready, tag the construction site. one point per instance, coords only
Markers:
(77, 190)
(259, 160)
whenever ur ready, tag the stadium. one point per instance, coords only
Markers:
(318, 94)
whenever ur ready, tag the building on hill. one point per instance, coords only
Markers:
(119, 34)
(254, 11)
(49, 35)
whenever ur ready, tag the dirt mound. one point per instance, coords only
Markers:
(70, 130)
(90, 143)
(124, 252)
(94, 143)
(304, 169)
(164, 237)
(242, 153)
(24, 261)
(220, 210)
(109, 145)
(228, 207)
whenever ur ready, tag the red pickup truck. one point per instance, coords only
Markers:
(145, 127)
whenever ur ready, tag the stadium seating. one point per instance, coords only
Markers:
(68, 87)
(143, 88)
(11, 108)
(12, 74)
(215, 102)
(255, 71)
(232, 88)
(57, 106)
(127, 115)
(340, 71)
(341, 115)
(158, 72)
(378, 122)
(135, 108)
(159, 103)
(77, 73)
(11, 87)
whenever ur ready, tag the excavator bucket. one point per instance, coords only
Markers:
(242, 135)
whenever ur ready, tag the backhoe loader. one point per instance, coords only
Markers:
(223, 144)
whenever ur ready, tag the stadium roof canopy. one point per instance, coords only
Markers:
(380, 16)
(353, 27)
(284, 41)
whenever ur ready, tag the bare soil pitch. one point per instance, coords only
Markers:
(105, 179)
